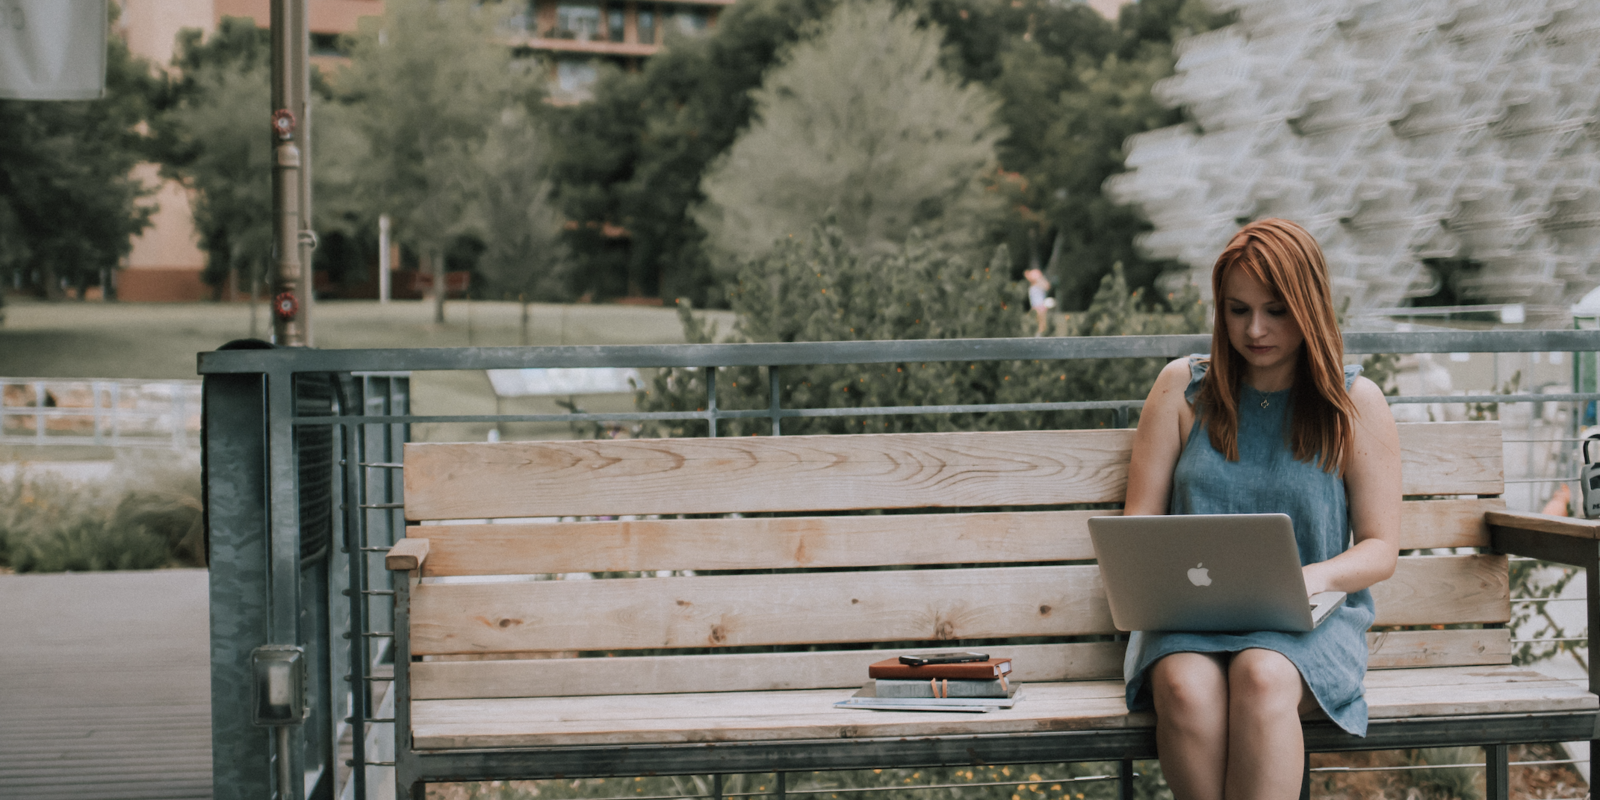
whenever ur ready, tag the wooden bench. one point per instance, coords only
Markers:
(727, 655)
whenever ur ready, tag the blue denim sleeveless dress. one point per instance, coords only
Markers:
(1268, 479)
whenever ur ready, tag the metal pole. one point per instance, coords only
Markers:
(285, 775)
(711, 399)
(301, 104)
(773, 401)
(384, 265)
(288, 322)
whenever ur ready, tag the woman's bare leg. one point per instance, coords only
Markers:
(1266, 751)
(1191, 696)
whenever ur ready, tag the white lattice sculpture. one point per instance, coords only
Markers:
(1395, 131)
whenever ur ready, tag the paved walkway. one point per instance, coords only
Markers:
(105, 687)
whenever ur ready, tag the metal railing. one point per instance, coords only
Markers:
(273, 583)
(102, 412)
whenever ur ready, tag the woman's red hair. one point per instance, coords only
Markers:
(1286, 259)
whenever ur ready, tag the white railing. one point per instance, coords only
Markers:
(105, 412)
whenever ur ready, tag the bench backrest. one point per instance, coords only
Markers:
(865, 541)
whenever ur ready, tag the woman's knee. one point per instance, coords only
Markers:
(1188, 682)
(1265, 679)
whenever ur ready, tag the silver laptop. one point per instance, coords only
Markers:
(1206, 572)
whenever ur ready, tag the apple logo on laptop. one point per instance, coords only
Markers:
(1200, 576)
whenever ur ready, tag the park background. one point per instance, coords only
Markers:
(791, 170)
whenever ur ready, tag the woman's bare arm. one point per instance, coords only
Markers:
(1372, 485)
(1158, 442)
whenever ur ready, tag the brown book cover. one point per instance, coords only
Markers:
(970, 670)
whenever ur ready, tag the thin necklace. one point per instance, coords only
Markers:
(1264, 402)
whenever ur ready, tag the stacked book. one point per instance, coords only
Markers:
(903, 684)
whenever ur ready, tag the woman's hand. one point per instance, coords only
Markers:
(1316, 580)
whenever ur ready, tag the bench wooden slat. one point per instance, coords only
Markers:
(1445, 590)
(758, 543)
(755, 474)
(1080, 705)
(875, 606)
(1451, 458)
(739, 610)
(728, 672)
(846, 541)
(834, 473)
(1455, 647)
(1458, 522)
(438, 680)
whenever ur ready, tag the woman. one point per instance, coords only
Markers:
(1039, 299)
(1272, 422)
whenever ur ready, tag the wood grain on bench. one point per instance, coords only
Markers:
(841, 541)
(432, 680)
(799, 715)
(835, 473)
(500, 665)
(870, 606)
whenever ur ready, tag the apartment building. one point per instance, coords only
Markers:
(578, 35)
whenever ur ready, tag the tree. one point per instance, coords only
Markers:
(634, 156)
(216, 145)
(69, 202)
(818, 288)
(859, 118)
(1074, 88)
(425, 85)
(523, 254)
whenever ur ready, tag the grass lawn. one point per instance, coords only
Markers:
(160, 340)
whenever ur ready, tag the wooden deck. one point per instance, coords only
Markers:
(105, 687)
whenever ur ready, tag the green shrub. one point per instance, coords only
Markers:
(818, 289)
(147, 515)
(1448, 783)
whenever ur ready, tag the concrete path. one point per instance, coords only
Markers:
(105, 687)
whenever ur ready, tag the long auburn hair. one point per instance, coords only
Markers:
(1286, 259)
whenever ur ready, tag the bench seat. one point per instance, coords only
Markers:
(713, 632)
(795, 715)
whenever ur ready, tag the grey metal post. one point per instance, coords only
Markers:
(773, 401)
(1125, 779)
(300, 102)
(283, 535)
(1496, 777)
(94, 393)
(711, 399)
(234, 463)
(116, 413)
(1591, 584)
(355, 496)
(407, 785)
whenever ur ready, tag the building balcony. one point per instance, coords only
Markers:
(590, 47)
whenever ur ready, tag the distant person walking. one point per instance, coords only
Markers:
(1039, 298)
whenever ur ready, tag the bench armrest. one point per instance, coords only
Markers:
(1576, 527)
(407, 555)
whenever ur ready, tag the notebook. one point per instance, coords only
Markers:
(1206, 572)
